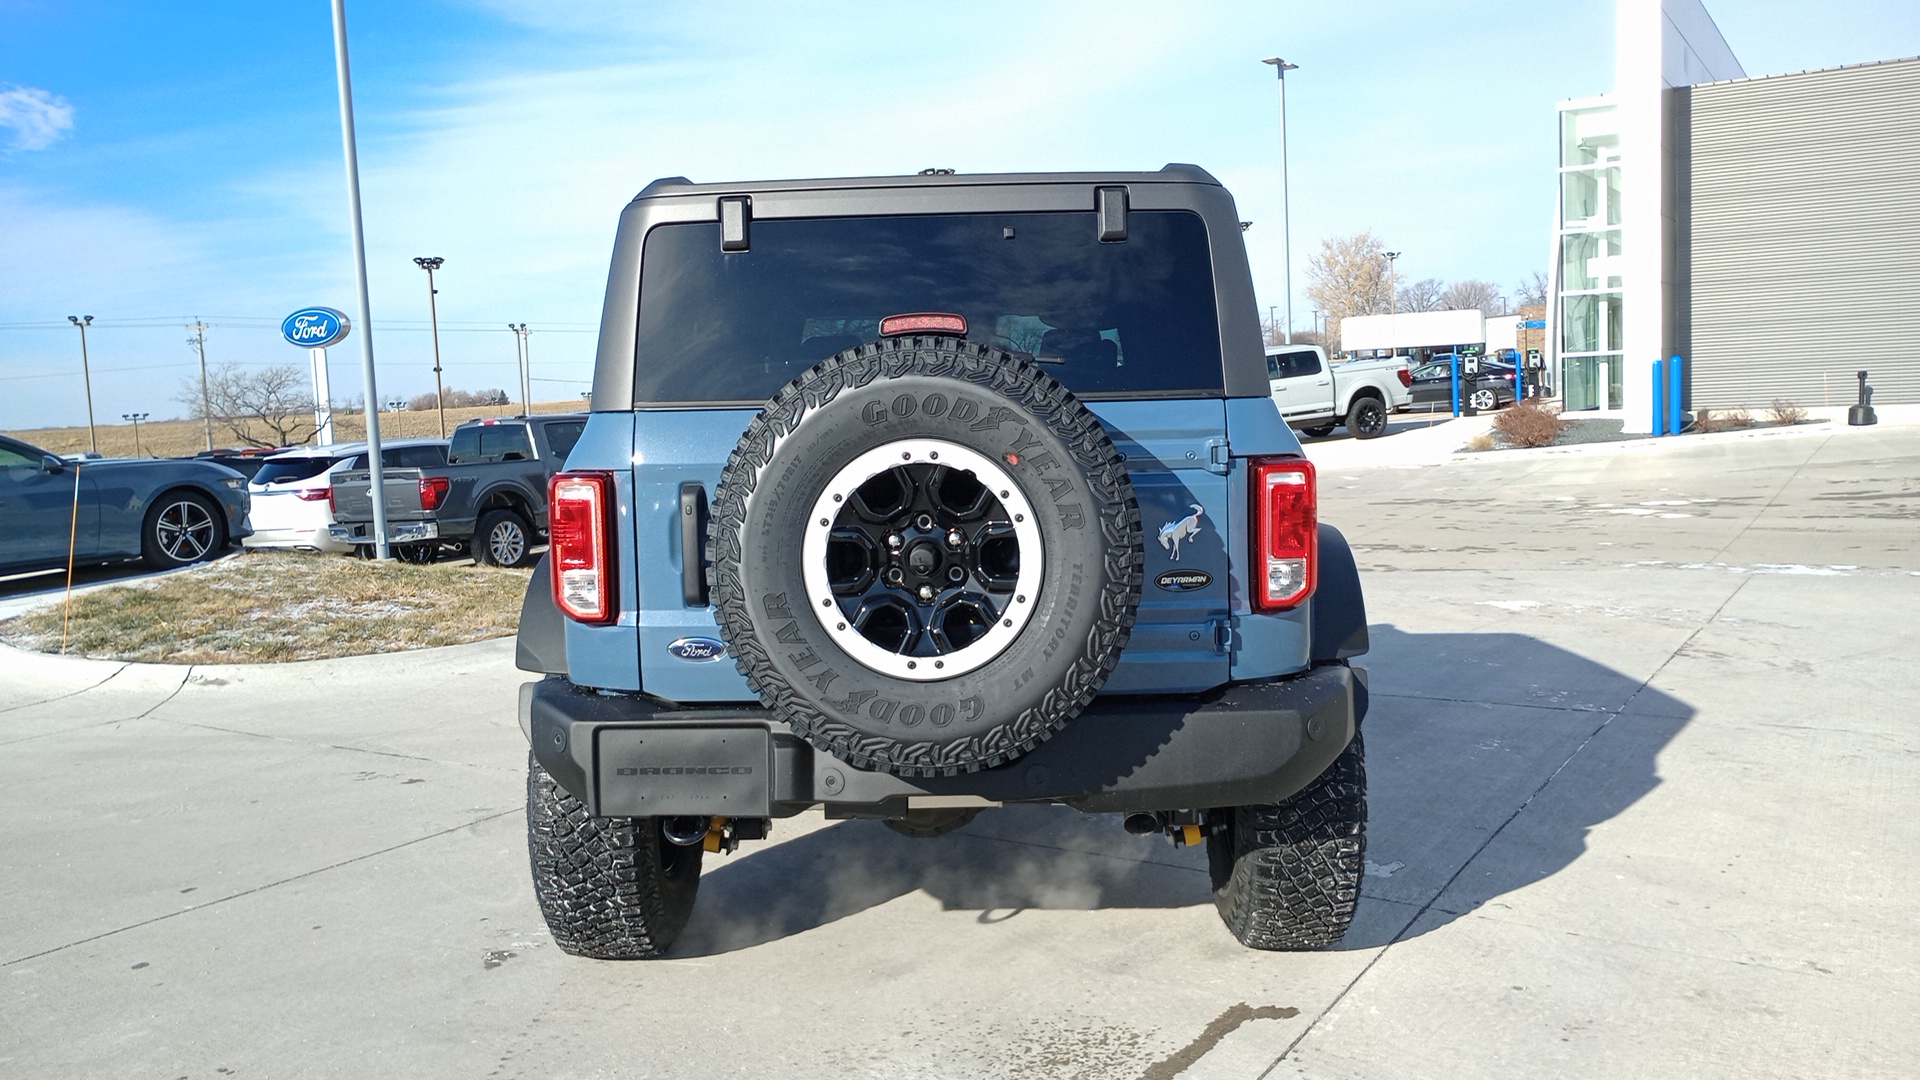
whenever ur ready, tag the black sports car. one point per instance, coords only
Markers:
(168, 512)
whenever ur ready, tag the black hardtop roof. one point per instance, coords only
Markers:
(1168, 174)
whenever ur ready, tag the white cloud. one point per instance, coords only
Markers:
(38, 119)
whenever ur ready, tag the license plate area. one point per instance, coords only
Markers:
(659, 772)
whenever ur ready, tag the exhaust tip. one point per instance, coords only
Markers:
(1142, 824)
(685, 831)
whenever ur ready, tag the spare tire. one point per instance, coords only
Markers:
(925, 555)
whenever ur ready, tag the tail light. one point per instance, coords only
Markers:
(580, 544)
(433, 491)
(1286, 533)
(333, 505)
(1406, 377)
(324, 495)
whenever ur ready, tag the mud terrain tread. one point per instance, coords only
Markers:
(1287, 876)
(599, 880)
(1011, 376)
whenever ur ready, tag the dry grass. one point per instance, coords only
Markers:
(267, 606)
(184, 438)
(1786, 412)
(1482, 441)
(1711, 420)
(1529, 423)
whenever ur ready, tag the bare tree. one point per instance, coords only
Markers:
(1531, 290)
(1347, 278)
(1472, 293)
(271, 406)
(1423, 295)
(458, 399)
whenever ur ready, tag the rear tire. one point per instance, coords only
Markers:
(610, 888)
(1367, 417)
(503, 538)
(1287, 876)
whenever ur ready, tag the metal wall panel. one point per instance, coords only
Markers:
(1799, 208)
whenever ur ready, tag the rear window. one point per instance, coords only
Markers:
(490, 442)
(1114, 318)
(404, 457)
(1292, 365)
(562, 436)
(288, 470)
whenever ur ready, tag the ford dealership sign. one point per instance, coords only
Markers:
(314, 327)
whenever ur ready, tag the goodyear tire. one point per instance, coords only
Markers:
(926, 556)
(610, 888)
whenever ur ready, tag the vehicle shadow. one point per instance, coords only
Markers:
(1399, 423)
(1490, 756)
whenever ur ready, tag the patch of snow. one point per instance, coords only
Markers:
(1509, 605)
(1375, 869)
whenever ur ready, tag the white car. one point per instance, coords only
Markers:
(290, 491)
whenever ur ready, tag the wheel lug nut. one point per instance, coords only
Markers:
(954, 539)
(926, 594)
(894, 541)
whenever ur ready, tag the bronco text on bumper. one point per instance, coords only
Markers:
(908, 497)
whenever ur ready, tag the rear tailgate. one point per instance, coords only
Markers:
(353, 497)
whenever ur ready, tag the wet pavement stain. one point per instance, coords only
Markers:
(1223, 1025)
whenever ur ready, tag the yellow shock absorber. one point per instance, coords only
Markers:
(716, 834)
(1190, 834)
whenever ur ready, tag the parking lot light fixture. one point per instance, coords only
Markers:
(136, 417)
(1280, 68)
(1393, 303)
(431, 264)
(86, 373)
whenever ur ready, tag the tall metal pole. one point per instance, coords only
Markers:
(206, 400)
(1280, 68)
(433, 312)
(378, 481)
(526, 365)
(1393, 304)
(86, 373)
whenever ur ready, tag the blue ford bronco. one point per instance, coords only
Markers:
(906, 497)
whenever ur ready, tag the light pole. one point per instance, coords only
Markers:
(136, 417)
(86, 372)
(433, 313)
(526, 366)
(1280, 68)
(1393, 304)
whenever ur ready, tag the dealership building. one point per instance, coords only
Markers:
(1766, 229)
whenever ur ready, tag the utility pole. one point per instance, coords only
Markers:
(433, 313)
(526, 366)
(86, 372)
(1280, 68)
(199, 342)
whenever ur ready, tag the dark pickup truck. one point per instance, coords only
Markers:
(490, 497)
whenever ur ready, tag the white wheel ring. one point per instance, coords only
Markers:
(826, 509)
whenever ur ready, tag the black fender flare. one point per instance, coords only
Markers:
(541, 645)
(1339, 610)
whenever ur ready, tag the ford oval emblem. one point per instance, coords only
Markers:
(700, 650)
(1184, 580)
(315, 327)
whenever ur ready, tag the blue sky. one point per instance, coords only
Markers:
(161, 161)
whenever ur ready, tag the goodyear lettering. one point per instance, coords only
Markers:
(804, 659)
(934, 405)
(964, 409)
(940, 715)
(882, 710)
(1071, 516)
(821, 678)
(855, 700)
(974, 707)
(874, 413)
(775, 605)
(789, 634)
(910, 714)
(904, 406)
(996, 416)
(1022, 441)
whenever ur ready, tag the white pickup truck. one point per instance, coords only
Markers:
(1314, 395)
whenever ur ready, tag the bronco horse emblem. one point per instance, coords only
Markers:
(1173, 532)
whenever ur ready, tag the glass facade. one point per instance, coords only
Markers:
(1589, 263)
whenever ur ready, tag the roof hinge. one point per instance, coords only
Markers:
(1110, 206)
(736, 214)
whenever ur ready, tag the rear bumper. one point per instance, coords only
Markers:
(1244, 744)
(301, 539)
(398, 532)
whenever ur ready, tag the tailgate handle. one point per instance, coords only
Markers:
(693, 544)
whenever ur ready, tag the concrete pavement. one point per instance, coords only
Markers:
(1644, 781)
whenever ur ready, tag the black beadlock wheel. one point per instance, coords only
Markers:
(610, 888)
(1366, 417)
(926, 556)
(1287, 876)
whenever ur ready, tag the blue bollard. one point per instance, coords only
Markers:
(1673, 395)
(1659, 398)
(1456, 384)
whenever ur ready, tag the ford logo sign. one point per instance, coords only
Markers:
(1184, 580)
(698, 649)
(315, 327)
